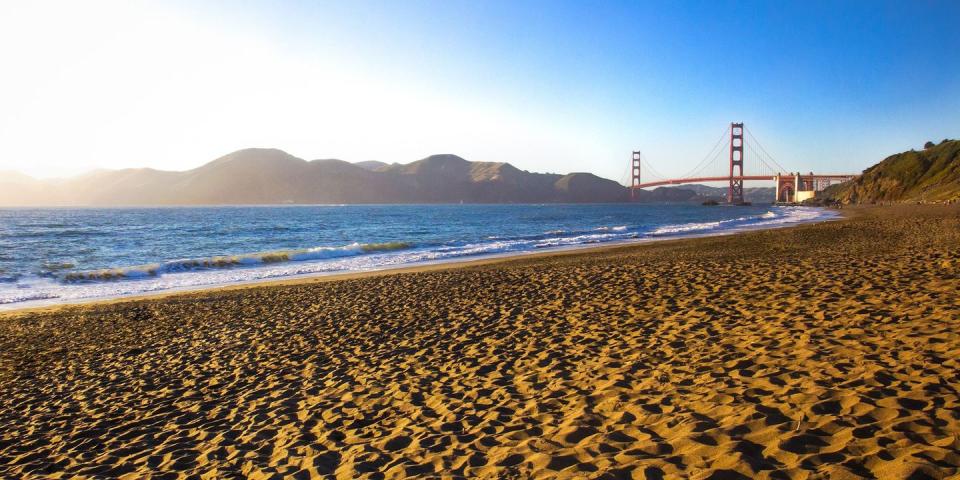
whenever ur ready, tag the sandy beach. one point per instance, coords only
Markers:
(818, 351)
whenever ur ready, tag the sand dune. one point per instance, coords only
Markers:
(825, 351)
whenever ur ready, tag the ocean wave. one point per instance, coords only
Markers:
(700, 226)
(56, 266)
(26, 297)
(686, 227)
(229, 261)
(619, 228)
(576, 240)
(795, 215)
(783, 216)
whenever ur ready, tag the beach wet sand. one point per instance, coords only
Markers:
(820, 351)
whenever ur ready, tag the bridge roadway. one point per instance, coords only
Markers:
(726, 178)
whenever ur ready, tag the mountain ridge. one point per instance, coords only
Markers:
(258, 176)
(272, 176)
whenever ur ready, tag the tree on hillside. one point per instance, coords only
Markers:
(928, 145)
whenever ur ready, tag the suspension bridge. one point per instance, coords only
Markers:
(790, 187)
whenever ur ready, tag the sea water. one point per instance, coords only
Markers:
(58, 255)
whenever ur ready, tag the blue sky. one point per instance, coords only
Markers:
(547, 86)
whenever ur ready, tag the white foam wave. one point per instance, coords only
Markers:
(686, 227)
(619, 228)
(793, 215)
(777, 217)
(227, 261)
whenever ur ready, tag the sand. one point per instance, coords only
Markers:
(821, 351)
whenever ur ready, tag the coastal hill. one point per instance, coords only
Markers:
(928, 175)
(270, 176)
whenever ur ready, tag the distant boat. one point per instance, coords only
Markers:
(710, 203)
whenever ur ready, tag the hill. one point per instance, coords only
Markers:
(270, 176)
(929, 175)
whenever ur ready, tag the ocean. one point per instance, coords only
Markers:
(62, 255)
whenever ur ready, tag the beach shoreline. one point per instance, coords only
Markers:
(461, 262)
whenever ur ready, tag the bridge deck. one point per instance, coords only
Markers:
(679, 181)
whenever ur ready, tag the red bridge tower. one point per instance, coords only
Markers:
(735, 192)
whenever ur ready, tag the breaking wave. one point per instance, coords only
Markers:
(786, 216)
(228, 261)
(700, 226)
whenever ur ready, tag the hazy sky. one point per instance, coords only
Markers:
(547, 86)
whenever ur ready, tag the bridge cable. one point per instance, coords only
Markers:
(626, 178)
(751, 159)
(653, 171)
(770, 157)
(763, 167)
(656, 173)
(760, 161)
(721, 162)
(706, 159)
(706, 168)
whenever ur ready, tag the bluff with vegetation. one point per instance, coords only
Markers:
(928, 175)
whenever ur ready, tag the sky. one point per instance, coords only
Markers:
(548, 86)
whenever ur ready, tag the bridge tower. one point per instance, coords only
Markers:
(735, 192)
(635, 175)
